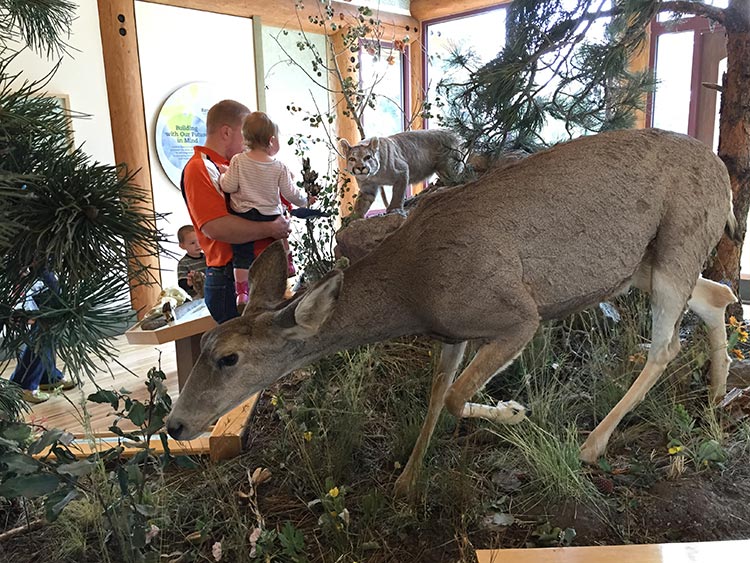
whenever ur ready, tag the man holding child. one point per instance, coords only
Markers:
(215, 227)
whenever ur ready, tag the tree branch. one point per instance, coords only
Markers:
(695, 8)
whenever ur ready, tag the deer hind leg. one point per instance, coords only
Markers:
(668, 300)
(491, 359)
(709, 301)
(450, 358)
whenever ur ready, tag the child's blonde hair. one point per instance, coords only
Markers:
(257, 130)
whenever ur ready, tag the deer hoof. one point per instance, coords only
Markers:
(406, 485)
(510, 412)
(590, 452)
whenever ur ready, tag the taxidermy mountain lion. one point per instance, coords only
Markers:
(399, 160)
(552, 234)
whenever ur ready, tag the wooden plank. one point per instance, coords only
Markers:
(698, 552)
(225, 441)
(122, 69)
(82, 447)
(173, 331)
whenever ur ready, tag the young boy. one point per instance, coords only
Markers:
(193, 261)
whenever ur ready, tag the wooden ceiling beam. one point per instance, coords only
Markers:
(284, 13)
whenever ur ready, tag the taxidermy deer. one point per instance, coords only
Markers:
(399, 160)
(543, 238)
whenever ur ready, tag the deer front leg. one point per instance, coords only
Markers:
(491, 359)
(450, 358)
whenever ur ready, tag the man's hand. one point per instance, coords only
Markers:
(280, 227)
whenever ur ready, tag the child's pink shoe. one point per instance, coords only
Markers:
(290, 266)
(242, 289)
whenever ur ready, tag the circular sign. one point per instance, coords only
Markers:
(181, 125)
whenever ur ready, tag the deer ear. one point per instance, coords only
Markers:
(268, 274)
(345, 146)
(303, 318)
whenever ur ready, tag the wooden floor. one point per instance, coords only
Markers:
(64, 409)
(704, 552)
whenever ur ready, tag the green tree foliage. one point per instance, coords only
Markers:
(553, 69)
(60, 210)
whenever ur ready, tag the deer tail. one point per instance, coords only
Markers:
(731, 229)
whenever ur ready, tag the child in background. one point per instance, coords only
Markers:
(193, 261)
(256, 182)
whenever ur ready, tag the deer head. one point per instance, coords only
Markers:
(247, 354)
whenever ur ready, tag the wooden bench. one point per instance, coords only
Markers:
(699, 552)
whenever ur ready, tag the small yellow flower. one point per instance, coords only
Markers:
(675, 449)
(733, 321)
(396, 465)
(307, 436)
(333, 493)
(274, 400)
(738, 354)
(742, 335)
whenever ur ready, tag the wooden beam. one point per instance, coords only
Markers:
(82, 447)
(283, 13)
(639, 63)
(225, 440)
(424, 10)
(346, 126)
(123, 74)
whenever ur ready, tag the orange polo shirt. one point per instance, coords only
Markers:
(205, 201)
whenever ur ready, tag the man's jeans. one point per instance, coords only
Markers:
(218, 292)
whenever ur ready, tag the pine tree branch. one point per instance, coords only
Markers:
(695, 8)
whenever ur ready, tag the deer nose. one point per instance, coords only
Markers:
(175, 429)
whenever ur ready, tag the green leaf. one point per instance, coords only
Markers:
(137, 414)
(77, 468)
(29, 486)
(16, 432)
(47, 439)
(104, 396)
(20, 464)
(58, 500)
(292, 540)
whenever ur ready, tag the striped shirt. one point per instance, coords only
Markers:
(189, 264)
(257, 185)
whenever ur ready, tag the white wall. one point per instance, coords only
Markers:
(81, 77)
(178, 46)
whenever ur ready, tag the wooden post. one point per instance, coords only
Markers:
(123, 73)
(347, 128)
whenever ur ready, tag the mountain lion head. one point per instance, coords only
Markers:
(362, 159)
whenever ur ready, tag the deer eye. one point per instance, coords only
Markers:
(228, 360)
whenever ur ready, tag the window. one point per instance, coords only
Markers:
(684, 55)
(483, 32)
(381, 73)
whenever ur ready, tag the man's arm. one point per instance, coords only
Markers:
(236, 230)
